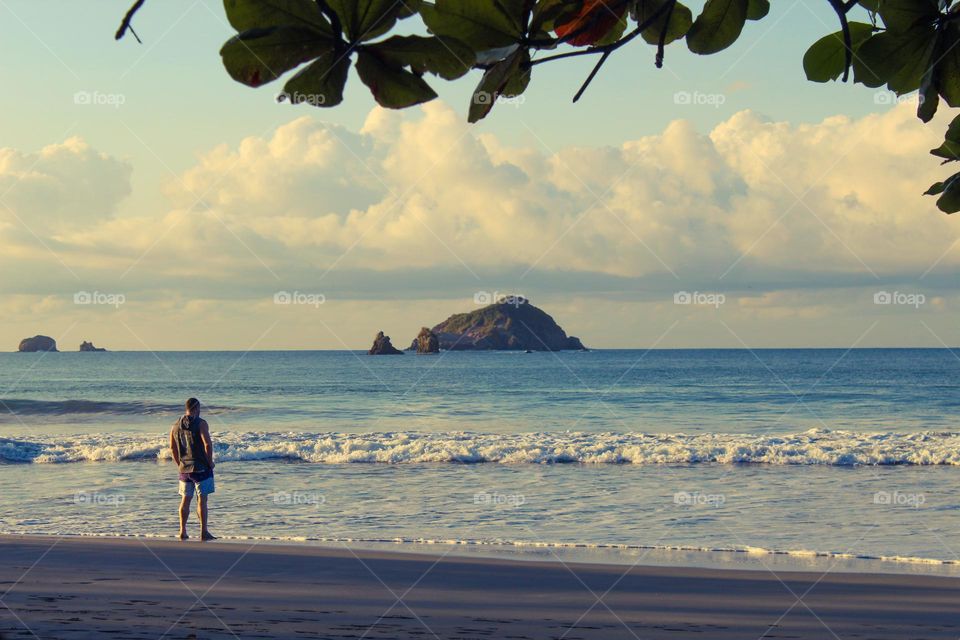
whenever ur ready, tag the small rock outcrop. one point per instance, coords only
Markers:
(37, 343)
(426, 342)
(382, 347)
(510, 323)
(88, 346)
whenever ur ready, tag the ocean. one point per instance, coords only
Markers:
(710, 457)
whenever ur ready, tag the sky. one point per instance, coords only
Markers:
(148, 202)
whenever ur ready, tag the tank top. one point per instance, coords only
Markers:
(193, 457)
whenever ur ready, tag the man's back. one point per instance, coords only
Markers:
(189, 434)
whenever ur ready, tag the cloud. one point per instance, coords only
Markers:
(840, 196)
(418, 205)
(61, 188)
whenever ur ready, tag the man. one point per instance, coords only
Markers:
(192, 450)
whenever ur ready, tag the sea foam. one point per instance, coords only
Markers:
(813, 447)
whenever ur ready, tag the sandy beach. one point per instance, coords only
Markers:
(151, 588)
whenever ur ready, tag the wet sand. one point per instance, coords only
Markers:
(150, 588)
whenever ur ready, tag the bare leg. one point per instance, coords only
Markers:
(184, 514)
(202, 513)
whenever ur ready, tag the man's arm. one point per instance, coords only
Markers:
(174, 449)
(207, 442)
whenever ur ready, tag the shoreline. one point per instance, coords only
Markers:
(686, 557)
(75, 587)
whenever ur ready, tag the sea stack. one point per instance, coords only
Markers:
(382, 347)
(426, 342)
(88, 346)
(37, 343)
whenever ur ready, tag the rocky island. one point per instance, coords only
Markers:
(511, 323)
(426, 342)
(37, 343)
(88, 346)
(382, 347)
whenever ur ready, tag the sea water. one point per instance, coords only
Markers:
(622, 455)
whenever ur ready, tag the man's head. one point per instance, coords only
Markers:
(193, 407)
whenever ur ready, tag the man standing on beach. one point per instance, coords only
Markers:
(192, 450)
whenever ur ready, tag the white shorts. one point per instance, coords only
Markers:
(189, 487)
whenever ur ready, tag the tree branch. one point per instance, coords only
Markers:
(125, 23)
(606, 54)
(335, 23)
(663, 35)
(841, 10)
(552, 42)
(596, 68)
(613, 46)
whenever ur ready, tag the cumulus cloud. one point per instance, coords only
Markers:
(62, 187)
(838, 196)
(419, 205)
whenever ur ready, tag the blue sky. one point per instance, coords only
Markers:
(745, 194)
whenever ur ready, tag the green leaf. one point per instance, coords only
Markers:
(445, 57)
(826, 59)
(481, 24)
(392, 86)
(897, 59)
(409, 8)
(949, 200)
(547, 13)
(321, 82)
(935, 189)
(950, 149)
(259, 56)
(902, 15)
(758, 9)
(366, 19)
(245, 15)
(615, 32)
(680, 20)
(929, 97)
(947, 71)
(507, 78)
(718, 26)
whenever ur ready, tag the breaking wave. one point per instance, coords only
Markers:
(813, 447)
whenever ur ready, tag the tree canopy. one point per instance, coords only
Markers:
(903, 45)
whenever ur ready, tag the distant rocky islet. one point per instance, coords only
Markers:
(41, 343)
(511, 323)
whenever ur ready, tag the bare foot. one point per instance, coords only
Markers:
(206, 535)
(183, 535)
